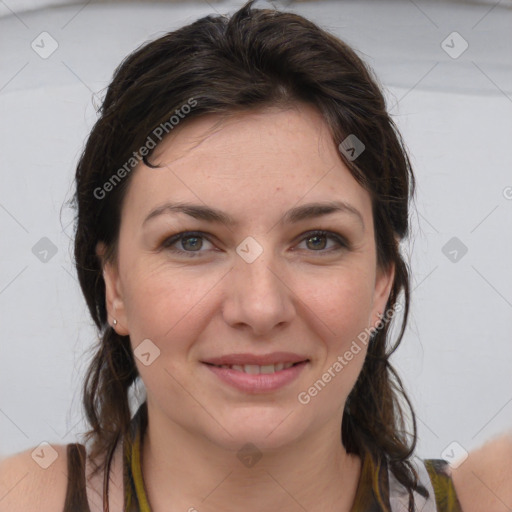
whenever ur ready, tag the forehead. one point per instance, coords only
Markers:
(247, 162)
(263, 133)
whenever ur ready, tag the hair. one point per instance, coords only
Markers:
(256, 58)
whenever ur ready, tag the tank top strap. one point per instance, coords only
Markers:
(76, 493)
(440, 475)
(129, 492)
(434, 477)
(135, 494)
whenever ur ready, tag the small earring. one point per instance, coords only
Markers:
(114, 322)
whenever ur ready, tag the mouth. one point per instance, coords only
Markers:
(256, 379)
(255, 369)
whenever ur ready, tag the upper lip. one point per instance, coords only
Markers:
(260, 360)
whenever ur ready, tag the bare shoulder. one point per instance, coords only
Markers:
(484, 480)
(31, 481)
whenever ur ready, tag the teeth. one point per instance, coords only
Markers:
(255, 369)
(252, 368)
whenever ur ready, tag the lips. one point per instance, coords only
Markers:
(255, 369)
(258, 373)
(262, 360)
(251, 382)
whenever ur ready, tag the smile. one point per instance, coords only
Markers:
(252, 378)
(255, 369)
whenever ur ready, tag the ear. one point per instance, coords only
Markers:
(383, 284)
(113, 293)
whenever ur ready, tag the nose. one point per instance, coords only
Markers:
(258, 297)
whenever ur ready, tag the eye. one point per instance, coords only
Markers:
(318, 245)
(193, 241)
(189, 240)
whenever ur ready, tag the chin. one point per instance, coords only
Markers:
(268, 432)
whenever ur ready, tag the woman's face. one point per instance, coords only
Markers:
(256, 287)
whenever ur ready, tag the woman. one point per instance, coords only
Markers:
(240, 204)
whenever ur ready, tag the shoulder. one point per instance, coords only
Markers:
(484, 480)
(35, 479)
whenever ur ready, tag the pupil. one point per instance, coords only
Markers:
(196, 244)
(317, 237)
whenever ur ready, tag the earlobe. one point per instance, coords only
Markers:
(113, 295)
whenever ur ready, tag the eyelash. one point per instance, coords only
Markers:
(168, 242)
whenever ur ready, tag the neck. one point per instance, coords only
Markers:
(186, 472)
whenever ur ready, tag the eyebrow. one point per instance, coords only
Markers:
(297, 214)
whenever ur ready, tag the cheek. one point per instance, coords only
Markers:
(342, 311)
(160, 302)
(343, 317)
(165, 308)
(342, 301)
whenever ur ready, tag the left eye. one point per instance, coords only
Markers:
(194, 242)
(318, 235)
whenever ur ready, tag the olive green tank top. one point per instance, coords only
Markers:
(433, 474)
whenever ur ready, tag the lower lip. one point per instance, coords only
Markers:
(258, 383)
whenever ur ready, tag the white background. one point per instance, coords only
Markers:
(454, 113)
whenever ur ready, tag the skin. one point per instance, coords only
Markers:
(294, 297)
(484, 480)
(189, 459)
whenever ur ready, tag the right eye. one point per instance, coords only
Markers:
(192, 239)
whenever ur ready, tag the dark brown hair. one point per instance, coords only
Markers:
(254, 59)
